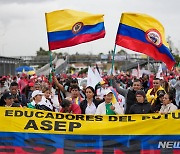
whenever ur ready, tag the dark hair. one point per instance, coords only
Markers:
(156, 78)
(161, 93)
(91, 88)
(171, 97)
(65, 103)
(141, 92)
(137, 80)
(45, 89)
(74, 80)
(75, 87)
(13, 84)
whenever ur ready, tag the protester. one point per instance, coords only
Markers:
(156, 106)
(37, 102)
(18, 97)
(145, 82)
(7, 100)
(101, 90)
(168, 105)
(47, 98)
(152, 93)
(68, 107)
(107, 107)
(22, 82)
(176, 86)
(75, 94)
(89, 105)
(129, 94)
(141, 106)
(3, 87)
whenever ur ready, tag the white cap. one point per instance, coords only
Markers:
(107, 91)
(36, 92)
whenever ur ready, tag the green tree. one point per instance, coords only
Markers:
(42, 52)
(177, 59)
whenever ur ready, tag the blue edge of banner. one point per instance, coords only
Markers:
(103, 143)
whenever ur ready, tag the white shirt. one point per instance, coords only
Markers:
(101, 109)
(90, 109)
(46, 102)
(168, 108)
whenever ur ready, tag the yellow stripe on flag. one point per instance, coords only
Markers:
(143, 22)
(65, 19)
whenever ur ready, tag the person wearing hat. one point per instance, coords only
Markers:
(141, 106)
(37, 102)
(158, 102)
(107, 107)
(101, 91)
(7, 100)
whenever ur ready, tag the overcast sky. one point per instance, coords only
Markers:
(23, 29)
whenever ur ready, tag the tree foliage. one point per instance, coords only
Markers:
(42, 52)
(177, 59)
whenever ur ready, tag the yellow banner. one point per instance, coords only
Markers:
(39, 121)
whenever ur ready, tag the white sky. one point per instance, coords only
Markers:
(23, 29)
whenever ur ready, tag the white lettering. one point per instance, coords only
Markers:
(169, 144)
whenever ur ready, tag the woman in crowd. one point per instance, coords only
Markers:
(89, 105)
(47, 99)
(37, 102)
(141, 106)
(7, 100)
(168, 105)
(36, 98)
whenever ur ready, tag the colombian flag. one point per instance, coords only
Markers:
(143, 33)
(67, 28)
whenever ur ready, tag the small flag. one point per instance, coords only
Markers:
(143, 33)
(92, 80)
(159, 73)
(139, 72)
(67, 28)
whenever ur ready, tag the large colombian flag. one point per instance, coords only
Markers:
(143, 33)
(69, 27)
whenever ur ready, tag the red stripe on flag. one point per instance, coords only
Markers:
(76, 40)
(146, 48)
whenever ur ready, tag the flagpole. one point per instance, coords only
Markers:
(50, 57)
(112, 68)
(113, 59)
(50, 66)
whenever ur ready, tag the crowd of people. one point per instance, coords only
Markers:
(119, 94)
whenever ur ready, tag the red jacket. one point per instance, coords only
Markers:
(74, 109)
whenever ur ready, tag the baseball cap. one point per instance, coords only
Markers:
(36, 92)
(102, 82)
(7, 95)
(107, 91)
(160, 93)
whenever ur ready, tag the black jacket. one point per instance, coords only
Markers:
(83, 105)
(140, 108)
